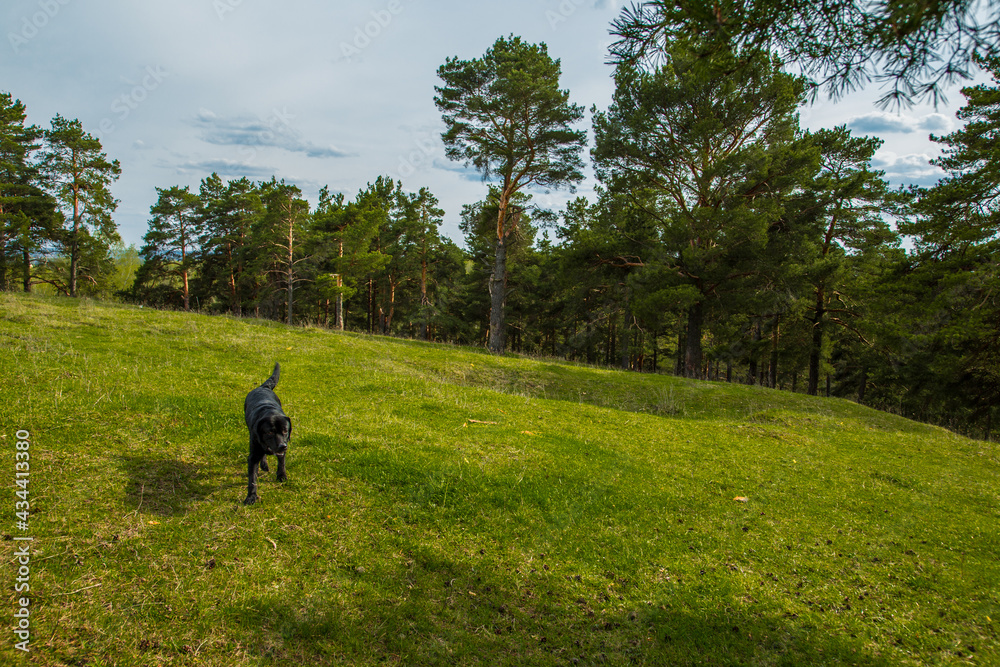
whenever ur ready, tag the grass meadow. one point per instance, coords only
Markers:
(448, 507)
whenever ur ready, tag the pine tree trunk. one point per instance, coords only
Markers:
(26, 276)
(656, 350)
(775, 333)
(681, 347)
(692, 354)
(424, 301)
(233, 307)
(392, 306)
(291, 264)
(3, 264)
(626, 352)
(612, 346)
(339, 316)
(184, 269)
(591, 352)
(816, 352)
(371, 306)
(753, 370)
(498, 298)
(74, 248)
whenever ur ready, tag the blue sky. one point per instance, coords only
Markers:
(322, 93)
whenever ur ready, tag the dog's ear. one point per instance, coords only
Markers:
(288, 425)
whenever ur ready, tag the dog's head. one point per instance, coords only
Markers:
(274, 432)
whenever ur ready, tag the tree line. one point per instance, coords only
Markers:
(725, 242)
(56, 207)
(376, 263)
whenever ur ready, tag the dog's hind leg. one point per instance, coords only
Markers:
(263, 463)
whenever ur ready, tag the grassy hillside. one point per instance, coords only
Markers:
(448, 507)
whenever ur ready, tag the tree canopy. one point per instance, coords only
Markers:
(912, 48)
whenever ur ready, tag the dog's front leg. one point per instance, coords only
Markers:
(253, 460)
(281, 476)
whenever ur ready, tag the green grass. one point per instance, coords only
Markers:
(448, 507)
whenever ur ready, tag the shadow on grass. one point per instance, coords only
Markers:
(164, 486)
(436, 611)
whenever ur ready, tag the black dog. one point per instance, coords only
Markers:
(270, 431)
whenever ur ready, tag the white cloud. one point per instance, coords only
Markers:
(907, 169)
(936, 122)
(253, 131)
(879, 122)
(226, 168)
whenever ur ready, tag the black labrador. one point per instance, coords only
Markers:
(270, 431)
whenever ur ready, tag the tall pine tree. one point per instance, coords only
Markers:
(706, 148)
(505, 115)
(79, 174)
(171, 242)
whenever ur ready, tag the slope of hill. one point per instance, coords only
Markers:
(445, 506)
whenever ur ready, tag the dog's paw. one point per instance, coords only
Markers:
(281, 477)
(250, 500)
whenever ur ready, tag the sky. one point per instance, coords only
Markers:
(327, 93)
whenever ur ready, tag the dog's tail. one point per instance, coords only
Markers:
(272, 382)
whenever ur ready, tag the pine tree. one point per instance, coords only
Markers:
(229, 212)
(428, 242)
(281, 234)
(28, 220)
(79, 174)
(171, 242)
(849, 201)
(948, 303)
(706, 147)
(505, 115)
(343, 237)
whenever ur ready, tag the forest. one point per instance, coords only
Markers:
(725, 243)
